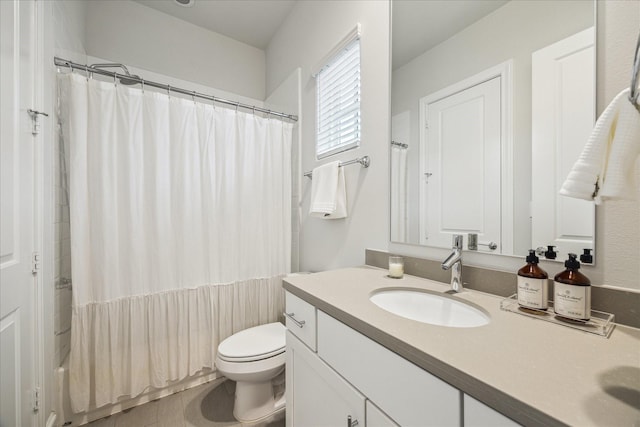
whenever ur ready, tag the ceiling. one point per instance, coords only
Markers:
(253, 22)
(420, 25)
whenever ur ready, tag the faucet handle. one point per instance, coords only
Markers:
(457, 241)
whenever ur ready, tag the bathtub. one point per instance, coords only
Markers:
(66, 417)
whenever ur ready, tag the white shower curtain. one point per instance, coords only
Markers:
(180, 233)
(398, 194)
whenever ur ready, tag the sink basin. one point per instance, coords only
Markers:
(434, 309)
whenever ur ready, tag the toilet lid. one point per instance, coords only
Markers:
(254, 343)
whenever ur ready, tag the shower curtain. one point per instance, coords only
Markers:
(180, 233)
(398, 194)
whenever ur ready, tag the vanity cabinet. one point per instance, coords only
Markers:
(334, 372)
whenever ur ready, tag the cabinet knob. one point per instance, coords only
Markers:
(351, 423)
(299, 323)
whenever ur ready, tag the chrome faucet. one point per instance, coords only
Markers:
(454, 262)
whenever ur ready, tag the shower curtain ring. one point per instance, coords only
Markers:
(253, 108)
(169, 90)
(70, 66)
(142, 81)
(237, 107)
(193, 96)
(86, 70)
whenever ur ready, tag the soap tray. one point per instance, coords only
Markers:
(600, 323)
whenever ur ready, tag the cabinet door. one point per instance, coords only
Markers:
(477, 414)
(316, 395)
(377, 418)
(409, 394)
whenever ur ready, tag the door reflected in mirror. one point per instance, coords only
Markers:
(491, 104)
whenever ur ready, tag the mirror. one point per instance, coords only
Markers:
(491, 104)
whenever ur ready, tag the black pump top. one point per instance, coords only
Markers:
(572, 263)
(532, 258)
(550, 253)
(586, 257)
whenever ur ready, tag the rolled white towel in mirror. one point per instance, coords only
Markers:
(605, 167)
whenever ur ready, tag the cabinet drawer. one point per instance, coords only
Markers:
(301, 319)
(408, 394)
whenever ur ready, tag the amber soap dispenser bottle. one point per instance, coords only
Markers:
(533, 284)
(572, 292)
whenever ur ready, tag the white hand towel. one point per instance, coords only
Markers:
(605, 166)
(328, 193)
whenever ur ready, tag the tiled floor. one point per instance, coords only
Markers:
(208, 405)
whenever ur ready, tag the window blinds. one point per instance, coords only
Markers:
(338, 113)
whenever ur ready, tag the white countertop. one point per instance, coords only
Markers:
(533, 371)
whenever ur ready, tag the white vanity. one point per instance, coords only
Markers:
(350, 362)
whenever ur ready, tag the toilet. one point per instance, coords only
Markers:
(255, 359)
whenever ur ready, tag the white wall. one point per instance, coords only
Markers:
(133, 34)
(511, 32)
(311, 30)
(287, 98)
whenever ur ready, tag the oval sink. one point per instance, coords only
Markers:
(430, 308)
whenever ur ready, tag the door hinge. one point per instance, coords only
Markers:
(35, 262)
(36, 399)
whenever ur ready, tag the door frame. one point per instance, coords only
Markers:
(503, 70)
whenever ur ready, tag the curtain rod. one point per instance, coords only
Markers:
(400, 144)
(87, 68)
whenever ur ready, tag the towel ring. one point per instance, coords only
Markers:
(633, 90)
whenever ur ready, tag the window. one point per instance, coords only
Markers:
(338, 95)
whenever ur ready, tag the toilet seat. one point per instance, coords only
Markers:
(253, 344)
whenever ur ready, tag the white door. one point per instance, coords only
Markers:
(461, 171)
(563, 113)
(316, 394)
(17, 36)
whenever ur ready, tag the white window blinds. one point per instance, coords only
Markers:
(338, 113)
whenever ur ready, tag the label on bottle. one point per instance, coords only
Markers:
(572, 301)
(533, 293)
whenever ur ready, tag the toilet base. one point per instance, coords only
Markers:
(255, 401)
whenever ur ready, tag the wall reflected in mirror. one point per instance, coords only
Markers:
(491, 104)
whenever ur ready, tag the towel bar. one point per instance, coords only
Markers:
(364, 161)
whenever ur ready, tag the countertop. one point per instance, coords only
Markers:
(534, 372)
